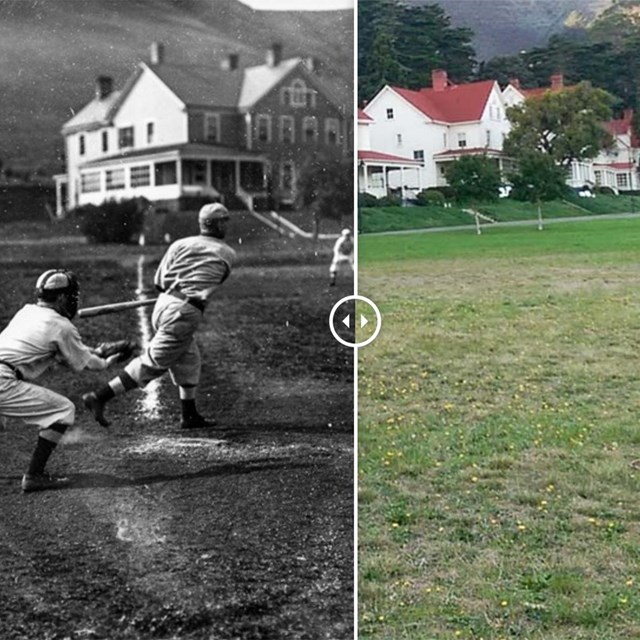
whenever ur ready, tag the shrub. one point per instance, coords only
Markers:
(367, 200)
(607, 191)
(111, 221)
(391, 200)
(430, 197)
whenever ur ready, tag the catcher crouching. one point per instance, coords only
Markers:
(37, 337)
(188, 275)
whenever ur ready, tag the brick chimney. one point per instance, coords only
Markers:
(230, 63)
(439, 79)
(515, 82)
(557, 81)
(274, 55)
(312, 64)
(104, 87)
(156, 53)
(627, 115)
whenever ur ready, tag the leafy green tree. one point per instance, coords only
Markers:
(538, 179)
(566, 125)
(325, 187)
(473, 178)
(401, 44)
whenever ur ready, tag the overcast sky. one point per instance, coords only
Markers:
(299, 5)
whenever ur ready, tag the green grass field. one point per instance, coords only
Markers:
(498, 422)
(380, 219)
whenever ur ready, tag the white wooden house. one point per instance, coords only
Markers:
(616, 167)
(178, 133)
(375, 168)
(437, 125)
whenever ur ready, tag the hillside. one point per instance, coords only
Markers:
(504, 27)
(51, 51)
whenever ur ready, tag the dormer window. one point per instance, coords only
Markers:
(462, 140)
(389, 113)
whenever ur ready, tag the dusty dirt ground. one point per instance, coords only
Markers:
(244, 531)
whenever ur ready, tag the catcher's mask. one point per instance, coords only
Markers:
(54, 282)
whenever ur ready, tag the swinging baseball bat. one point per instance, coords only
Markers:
(114, 307)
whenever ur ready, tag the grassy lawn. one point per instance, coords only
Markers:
(498, 420)
(400, 218)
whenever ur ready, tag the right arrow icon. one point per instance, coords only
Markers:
(363, 321)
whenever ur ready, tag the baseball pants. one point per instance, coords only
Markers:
(34, 405)
(173, 347)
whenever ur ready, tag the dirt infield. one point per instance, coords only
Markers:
(244, 531)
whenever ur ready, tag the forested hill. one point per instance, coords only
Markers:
(401, 44)
(51, 52)
(503, 27)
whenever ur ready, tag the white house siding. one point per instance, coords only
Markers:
(364, 137)
(417, 132)
(150, 100)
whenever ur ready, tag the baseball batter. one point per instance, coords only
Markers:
(342, 254)
(39, 336)
(188, 276)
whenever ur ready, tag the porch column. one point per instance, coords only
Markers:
(384, 179)
(402, 185)
(365, 171)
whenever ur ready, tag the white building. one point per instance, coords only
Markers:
(437, 125)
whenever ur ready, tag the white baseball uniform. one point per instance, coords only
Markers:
(342, 253)
(188, 275)
(37, 338)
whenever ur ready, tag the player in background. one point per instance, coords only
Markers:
(342, 253)
(39, 336)
(187, 277)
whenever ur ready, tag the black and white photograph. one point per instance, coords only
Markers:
(176, 225)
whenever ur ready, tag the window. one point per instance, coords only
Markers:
(194, 172)
(150, 132)
(286, 177)
(297, 94)
(125, 137)
(140, 176)
(310, 128)
(286, 129)
(115, 179)
(389, 114)
(399, 139)
(81, 145)
(263, 125)
(166, 173)
(622, 180)
(105, 141)
(462, 140)
(212, 127)
(444, 140)
(331, 131)
(90, 182)
(487, 140)
(418, 154)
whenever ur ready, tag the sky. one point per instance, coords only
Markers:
(299, 5)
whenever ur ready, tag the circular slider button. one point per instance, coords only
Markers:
(355, 321)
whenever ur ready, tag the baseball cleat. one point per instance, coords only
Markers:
(96, 406)
(42, 482)
(197, 422)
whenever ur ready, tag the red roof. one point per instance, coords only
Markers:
(454, 103)
(615, 165)
(364, 116)
(378, 156)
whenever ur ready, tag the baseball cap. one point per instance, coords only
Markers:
(212, 211)
(54, 279)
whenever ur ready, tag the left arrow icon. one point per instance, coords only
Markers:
(347, 321)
